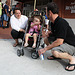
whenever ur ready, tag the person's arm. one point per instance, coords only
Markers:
(56, 43)
(46, 33)
(7, 12)
(32, 24)
(36, 23)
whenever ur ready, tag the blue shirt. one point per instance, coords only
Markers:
(46, 17)
(6, 7)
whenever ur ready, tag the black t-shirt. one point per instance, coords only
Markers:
(61, 29)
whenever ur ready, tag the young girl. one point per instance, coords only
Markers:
(33, 31)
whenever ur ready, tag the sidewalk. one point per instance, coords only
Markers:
(5, 33)
(11, 64)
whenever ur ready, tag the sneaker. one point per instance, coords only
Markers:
(34, 45)
(26, 44)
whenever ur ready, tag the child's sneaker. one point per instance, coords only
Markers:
(34, 45)
(26, 44)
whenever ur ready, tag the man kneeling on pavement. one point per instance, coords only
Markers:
(63, 46)
(18, 25)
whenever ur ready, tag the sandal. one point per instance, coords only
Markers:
(70, 65)
(15, 44)
(26, 44)
(52, 58)
(34, 45)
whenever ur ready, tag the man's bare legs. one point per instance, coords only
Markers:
(65, 56)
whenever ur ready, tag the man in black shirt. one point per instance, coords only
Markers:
(64, 45)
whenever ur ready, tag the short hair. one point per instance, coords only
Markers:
(53, 7)
(6, 2)
(17, 9)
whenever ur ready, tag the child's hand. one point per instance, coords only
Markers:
(32, 25)
(37, 23)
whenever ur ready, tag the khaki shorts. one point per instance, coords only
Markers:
(65, 48)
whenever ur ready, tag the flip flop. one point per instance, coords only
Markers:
(69, 65)
(52, 58)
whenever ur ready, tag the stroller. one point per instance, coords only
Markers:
(34, 51)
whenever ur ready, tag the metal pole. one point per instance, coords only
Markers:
(34, 4)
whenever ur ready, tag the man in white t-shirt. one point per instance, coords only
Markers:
(18, 24)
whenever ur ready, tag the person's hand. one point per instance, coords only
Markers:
(41, 51)
(8, 15)
(22, 30)
(32, 25)
(45, 33)
(37, 23)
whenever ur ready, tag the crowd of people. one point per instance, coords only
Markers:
(63, 42)
(5, 14)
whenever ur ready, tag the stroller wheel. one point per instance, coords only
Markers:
(34, 55)
(19, 52)
(22, 52)
(43, 45)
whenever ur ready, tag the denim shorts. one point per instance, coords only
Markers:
(5, 17)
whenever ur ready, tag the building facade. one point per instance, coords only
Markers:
(66, 7)
(11, 2)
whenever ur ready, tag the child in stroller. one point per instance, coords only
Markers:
(33, 31)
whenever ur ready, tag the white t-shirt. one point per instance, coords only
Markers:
(46, 21)
(18, 24)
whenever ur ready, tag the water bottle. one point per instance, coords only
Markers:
(42, 57)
